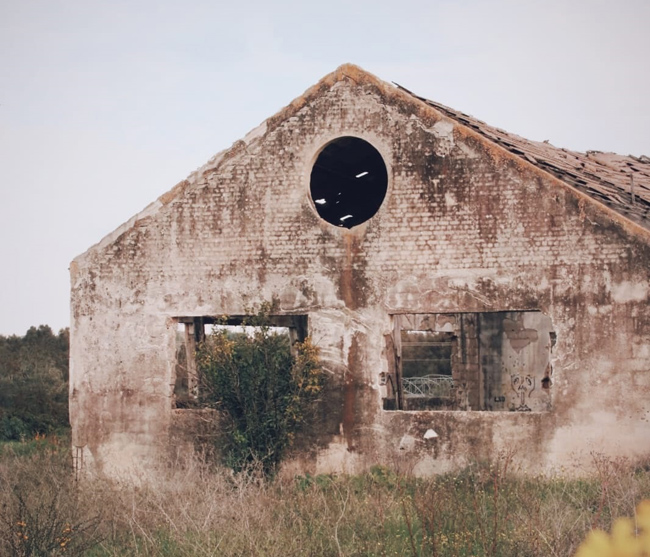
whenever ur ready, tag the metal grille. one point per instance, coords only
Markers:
(428, 386)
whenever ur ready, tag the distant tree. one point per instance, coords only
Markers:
(33, 382)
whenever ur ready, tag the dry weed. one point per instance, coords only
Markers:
(196, 509)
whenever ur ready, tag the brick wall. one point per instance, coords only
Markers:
(464, 227)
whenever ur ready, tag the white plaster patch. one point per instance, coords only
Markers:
(430, 434)
(467, 151)
(599, 310)
(627, 291)
(337, 458)
(443, 130)
(407, 443)
(429, 466)
(450, 199)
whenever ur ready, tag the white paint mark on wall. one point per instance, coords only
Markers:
(407, 443)
(443, 130)
(627, 291)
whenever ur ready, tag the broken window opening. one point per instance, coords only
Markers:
(191, 331)
(498, 361)
(348, 182)
(426, 366)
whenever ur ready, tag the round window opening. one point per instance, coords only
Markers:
(348, 182)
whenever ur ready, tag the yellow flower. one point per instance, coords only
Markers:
(623, 541)
(643, 516)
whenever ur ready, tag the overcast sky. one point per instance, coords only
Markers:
(105, 105)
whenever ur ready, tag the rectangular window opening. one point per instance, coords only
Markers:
(491, 361)
(191, 331)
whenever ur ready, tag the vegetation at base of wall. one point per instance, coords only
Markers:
(262, 387)
(193, 508)
(43, 511)
(33, 383)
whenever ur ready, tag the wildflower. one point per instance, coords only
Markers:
(623, 542)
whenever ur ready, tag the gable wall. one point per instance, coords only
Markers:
(464, 228)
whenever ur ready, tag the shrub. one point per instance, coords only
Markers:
(43, 511)
(13, 428)
(33, 383)
(263, 388)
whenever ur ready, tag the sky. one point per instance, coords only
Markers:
(104, 106)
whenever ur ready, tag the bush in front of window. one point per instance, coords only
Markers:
(262, 389)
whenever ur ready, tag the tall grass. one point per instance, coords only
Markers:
(486, 509)
(42, 510)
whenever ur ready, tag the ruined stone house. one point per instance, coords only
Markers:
(470, 291)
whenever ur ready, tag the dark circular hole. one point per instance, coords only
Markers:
(348, 182)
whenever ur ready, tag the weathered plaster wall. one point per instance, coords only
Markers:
(465, 227)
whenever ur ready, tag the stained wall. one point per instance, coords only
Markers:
(465, 227)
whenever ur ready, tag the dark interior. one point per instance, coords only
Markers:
(348, 182)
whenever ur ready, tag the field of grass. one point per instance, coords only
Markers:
(486, 509)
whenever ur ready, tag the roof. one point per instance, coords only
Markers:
(620, 182)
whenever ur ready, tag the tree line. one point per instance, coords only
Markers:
(33, 383)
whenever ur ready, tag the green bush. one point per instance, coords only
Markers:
(33, 383)
(13, 428)
(262, 388)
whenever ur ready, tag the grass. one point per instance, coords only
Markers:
(486, 509)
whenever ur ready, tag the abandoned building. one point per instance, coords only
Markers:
(470, 291)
